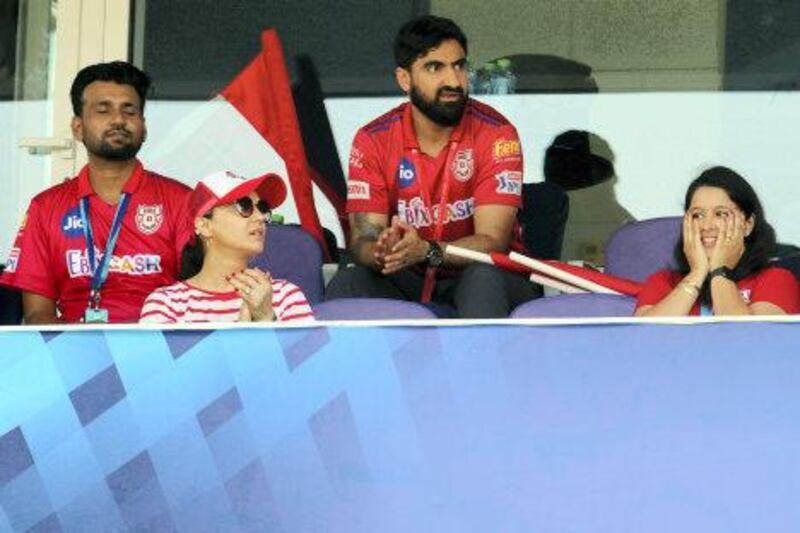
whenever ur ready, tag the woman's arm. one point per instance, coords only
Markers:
(678, 302)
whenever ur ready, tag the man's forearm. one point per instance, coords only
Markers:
(364, 238)
(362, 251)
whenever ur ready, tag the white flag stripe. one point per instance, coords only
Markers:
(210, 136)
(572, 279)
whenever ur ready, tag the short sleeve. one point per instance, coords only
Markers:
(367, 190)
(779, 287)
(289, 303)
(499, 168)
(28, 266)
(156, 309)
(655, 289)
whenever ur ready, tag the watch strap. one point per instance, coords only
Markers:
(435, 255)
(723, 271)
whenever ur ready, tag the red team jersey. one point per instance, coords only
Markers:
(774, 285)
(484, 166)
(49, 254)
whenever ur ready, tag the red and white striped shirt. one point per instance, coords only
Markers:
(182, 302)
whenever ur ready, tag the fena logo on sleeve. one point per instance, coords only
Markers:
(504, 150)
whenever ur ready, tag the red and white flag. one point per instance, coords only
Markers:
(250, 128)
(556, 274)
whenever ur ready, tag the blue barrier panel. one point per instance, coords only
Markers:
(579, 428)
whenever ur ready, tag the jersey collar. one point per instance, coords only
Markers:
(133, 183)
(410, 136)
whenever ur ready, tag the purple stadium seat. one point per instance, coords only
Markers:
(576, 306)
(641, 248)
(293, 254)
(370, 309)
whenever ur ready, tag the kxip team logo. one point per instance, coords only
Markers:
(463, 165)
(149, 218)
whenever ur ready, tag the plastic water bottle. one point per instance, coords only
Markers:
(503, 79)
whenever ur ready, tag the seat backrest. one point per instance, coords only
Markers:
(293, 254)
(577, 305)
(370, 309)
(545, 208)
(10, 307)
(790, 263)
(638, 249)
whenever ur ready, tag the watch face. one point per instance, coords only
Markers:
(435, 257)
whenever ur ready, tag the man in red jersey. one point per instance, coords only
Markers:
(441, 169)
(92, 248)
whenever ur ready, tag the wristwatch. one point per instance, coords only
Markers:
(723, 271)
(435, 255)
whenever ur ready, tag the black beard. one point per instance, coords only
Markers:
(106, 151)
(120, 153)
(444, 114)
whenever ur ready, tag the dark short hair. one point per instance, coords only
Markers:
(419, 36)
(759, 246)
(120, 72)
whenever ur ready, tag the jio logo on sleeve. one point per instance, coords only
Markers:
(71, 224)
(406, 173)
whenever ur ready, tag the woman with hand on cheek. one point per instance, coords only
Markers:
(722, 256)
(230, 215)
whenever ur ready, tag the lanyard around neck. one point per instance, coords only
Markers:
(99, 269)
(438, 221)
(426, 184)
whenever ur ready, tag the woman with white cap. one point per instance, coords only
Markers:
(230, 215)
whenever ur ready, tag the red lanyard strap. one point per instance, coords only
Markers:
(438, 228)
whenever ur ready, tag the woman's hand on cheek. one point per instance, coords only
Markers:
(693, 248)
(729, 248)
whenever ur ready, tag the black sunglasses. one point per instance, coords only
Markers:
(244, 206)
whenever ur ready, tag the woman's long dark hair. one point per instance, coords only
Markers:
(192, 256)
(192, 259)
(758, 246)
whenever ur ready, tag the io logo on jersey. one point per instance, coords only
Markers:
(406, 173)
(509, 182)
(132, 265)
(71, 224)
(149, 218)
(12, 261)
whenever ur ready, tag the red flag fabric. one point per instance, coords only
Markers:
(621, 285)
(262, 93)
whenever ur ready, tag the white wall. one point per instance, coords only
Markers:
(21, 175)
(661, 141)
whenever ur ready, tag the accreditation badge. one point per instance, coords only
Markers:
(95, 316)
